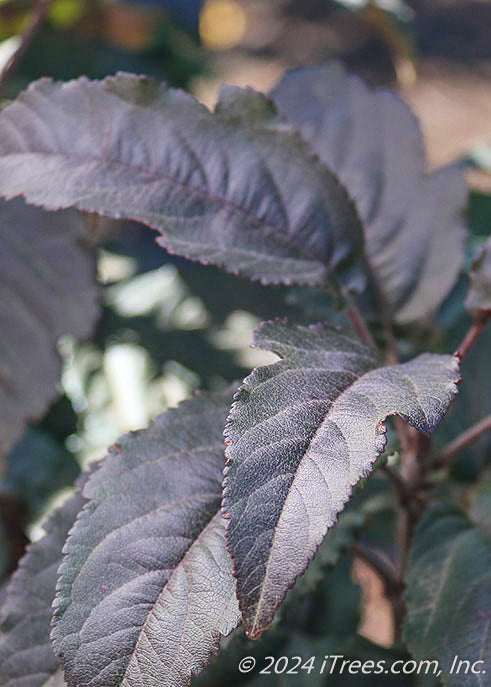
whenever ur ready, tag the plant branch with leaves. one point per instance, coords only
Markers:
(321, 184)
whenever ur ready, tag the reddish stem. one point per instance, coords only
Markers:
(473, 334)
(359, 325)
(468, 437)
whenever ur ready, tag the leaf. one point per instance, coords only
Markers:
(302, 432)
(331, 550)
(26, 656)
(448, 595)
(220, 187)
(38, 466)
(479, 507)
(414, 226)
(479, 294)
(47, 288)
(145, 589)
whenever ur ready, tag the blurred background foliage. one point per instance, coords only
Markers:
(168, 326)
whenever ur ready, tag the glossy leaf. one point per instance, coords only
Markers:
(448, 595)
(413, 221)
(145, 590)
(47, 288)
(479, 295)
(220, 187)
(302, 432)
(26, 655)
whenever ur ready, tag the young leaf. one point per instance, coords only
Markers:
(238, 188)
(413, 221)
(448, 595)
(47, 288)
(479, 295)
(301, 433)
(146, 589)
(26, 655)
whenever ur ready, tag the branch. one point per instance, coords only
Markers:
(32, 28)
(473, 334)
(401, 486)
(468, 437)
(359, 324)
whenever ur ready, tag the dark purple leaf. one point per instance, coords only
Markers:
(26, 655)
(47, 288)
(238, 188)
(302, 432)
(146, 590)
(414, 226)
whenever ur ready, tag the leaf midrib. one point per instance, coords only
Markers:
(159, 176)
(307, 450)
(150, 613)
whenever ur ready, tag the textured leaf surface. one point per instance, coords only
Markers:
(479, 295)
(146, 589)
(26, 655)
(237, 188)
(413, 221)
(47, 288)
(448, 595)
(301, 433)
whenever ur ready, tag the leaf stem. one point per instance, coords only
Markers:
(470, 435)
(359, 324)
(32, 28)
(473, 334)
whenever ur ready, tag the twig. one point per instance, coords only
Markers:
(470, 435)
(390, 345)
(401, 486)
(412, 469)
(473, 334)
(32, 28)
(359, 324)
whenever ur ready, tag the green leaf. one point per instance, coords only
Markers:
(448, 595)
(26, 655)
(145, 590)
(47, 288)
(413, 221)
(238, 188)
(302, 432)
(479, 295)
